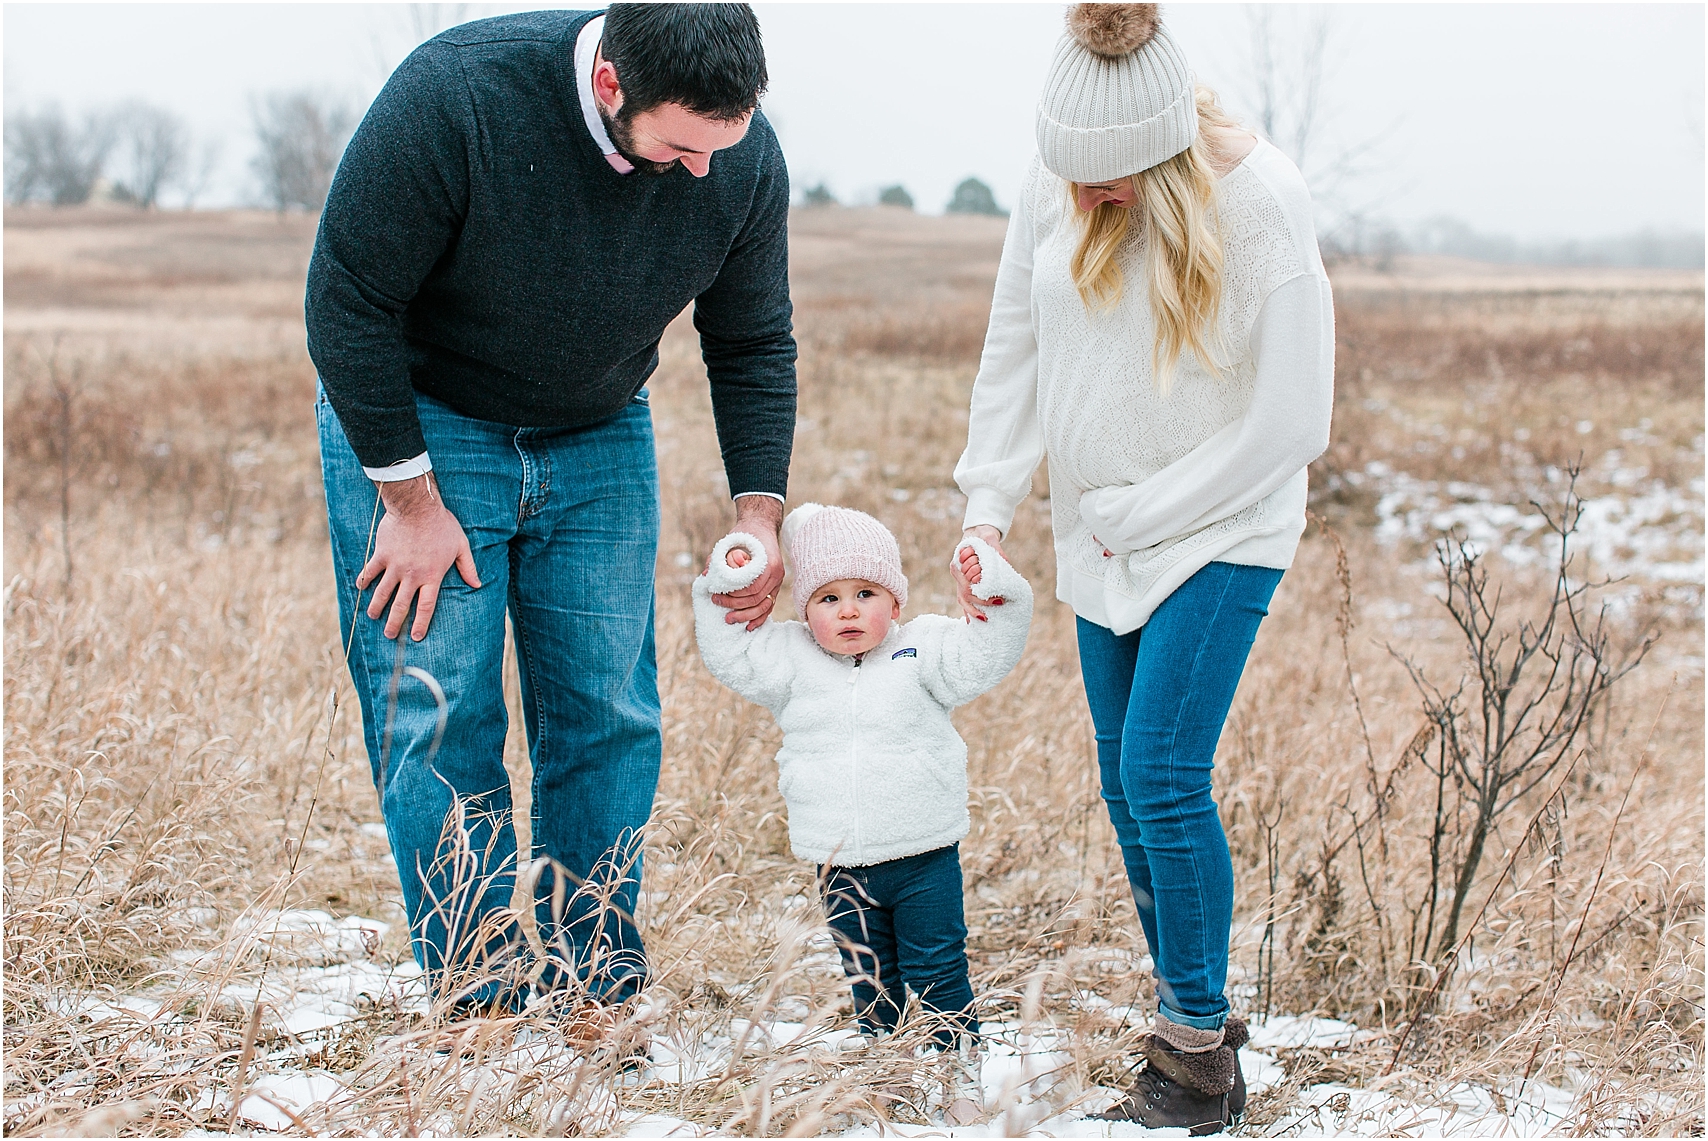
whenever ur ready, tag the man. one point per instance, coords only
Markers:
(525, 207)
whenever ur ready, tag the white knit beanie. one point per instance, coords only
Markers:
(1119, 97)
(828, 543)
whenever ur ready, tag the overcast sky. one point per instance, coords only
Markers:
(1534, 120)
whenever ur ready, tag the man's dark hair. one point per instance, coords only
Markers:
(707, 57)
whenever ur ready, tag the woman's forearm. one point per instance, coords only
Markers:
(1004, 440)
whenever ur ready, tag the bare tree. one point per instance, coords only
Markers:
(301, 136)
(401, 28)
(1289, 92)
(154, 151)
(200, 170)
(49, 157)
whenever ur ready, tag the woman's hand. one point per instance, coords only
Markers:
(968, 573)
(737, 557)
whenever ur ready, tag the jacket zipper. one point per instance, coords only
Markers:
(854, 753)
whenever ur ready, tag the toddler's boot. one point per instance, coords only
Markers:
(965, 1094)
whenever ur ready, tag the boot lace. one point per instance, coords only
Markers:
(1149, 1085)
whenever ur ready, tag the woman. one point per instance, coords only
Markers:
(1162, 330)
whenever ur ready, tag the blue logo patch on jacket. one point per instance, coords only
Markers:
(910, 652)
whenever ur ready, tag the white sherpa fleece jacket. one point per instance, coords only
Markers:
(871, 767)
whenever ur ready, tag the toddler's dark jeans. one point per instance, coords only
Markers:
(899, 926)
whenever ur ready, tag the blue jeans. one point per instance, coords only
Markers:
(1158, 698)
(563, 523)
(899, 925)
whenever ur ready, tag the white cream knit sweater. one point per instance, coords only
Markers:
(871, 767)
(1214, 471)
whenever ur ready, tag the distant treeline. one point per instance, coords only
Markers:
(1648, 248)
(1659, 249)
(137, 153)
(971, 196)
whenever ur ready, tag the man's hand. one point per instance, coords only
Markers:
(759, 516)
(417, 541)
(968, 573)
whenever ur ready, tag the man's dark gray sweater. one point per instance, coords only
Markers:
(478, 247)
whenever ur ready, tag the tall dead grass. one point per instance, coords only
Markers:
(183, 761)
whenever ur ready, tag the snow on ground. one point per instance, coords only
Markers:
(327, 979)
(1461, 1110)
(1637, 528)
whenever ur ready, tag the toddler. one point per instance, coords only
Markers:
(871, 769)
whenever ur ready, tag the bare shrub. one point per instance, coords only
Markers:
(1502, 730)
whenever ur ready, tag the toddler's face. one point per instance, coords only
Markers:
(850, 616)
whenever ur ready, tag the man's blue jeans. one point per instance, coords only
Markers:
(563, 524)
(900, 925)
(1158, 698)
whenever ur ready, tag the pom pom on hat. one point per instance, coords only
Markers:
(1113, 30)
(795, 520)
(830, 543)
(1119, 97)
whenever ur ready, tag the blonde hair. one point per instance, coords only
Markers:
(1183, 258)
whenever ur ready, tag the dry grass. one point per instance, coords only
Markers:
(180, 735)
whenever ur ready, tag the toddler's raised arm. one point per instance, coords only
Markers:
(972, 656)
(756, 663)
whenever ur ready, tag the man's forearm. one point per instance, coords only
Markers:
(411, 498)
(759, 510)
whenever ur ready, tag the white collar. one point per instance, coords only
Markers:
(586, 47)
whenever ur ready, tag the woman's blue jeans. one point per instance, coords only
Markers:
(1158, 698)
(563, 524)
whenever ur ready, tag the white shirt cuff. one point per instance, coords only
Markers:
(767, 494)
(402, 469)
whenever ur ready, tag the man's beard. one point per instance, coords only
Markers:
(624, 140)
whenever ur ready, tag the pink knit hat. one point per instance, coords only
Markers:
(829, 543)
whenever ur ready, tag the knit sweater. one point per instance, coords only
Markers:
(871, 767)
(1213, 471)
(477, 246)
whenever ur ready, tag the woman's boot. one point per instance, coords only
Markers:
(1202, 1093)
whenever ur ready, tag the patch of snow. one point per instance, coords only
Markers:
(1026, 1080)
(1643, 529)
(311, 999)
(134, 1008)
(315, 938)
(1262, 1073)
(1461, 1110)
(1281, 1031)
(658, 1125)
(270, 1095)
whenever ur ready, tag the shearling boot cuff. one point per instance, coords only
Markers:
(1210, 1072)
(1186, 1039)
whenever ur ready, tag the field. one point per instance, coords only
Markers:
(201, 926)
